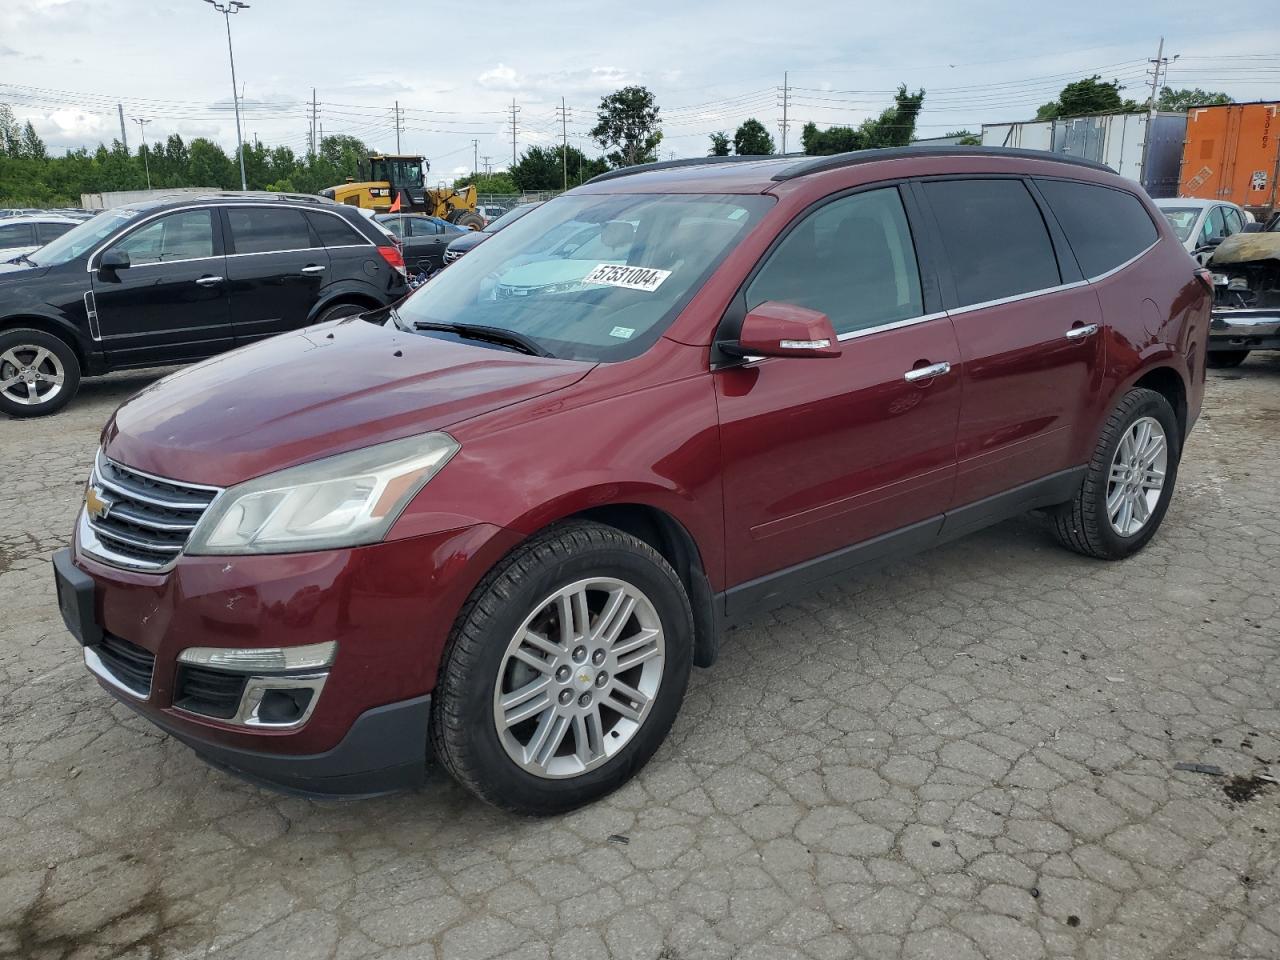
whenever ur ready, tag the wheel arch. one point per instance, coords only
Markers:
(1169, 383)
(356, 297)
(666, 534)
(55, 328)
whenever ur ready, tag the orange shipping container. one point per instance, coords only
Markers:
(1231, 154)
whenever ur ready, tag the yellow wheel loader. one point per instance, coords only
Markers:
(401, 178)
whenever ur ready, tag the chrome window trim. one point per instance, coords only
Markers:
(895, 325)
(1017, 296)
(99, 670)
(1132, 260)
(269, 205)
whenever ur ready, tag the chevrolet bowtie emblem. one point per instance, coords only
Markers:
(94, 502)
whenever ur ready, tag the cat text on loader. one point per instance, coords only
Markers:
(398, 183)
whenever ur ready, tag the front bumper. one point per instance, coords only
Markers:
(1257, 329)
(389, 607)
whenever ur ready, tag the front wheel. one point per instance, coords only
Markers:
(39, 373)
(564, 671)
(1128, 483)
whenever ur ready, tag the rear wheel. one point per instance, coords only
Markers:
(565, 670)
(340, 310)
(39, 373)
(1128, 483)
(1222, 359)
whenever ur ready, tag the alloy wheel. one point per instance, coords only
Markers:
(579, 677)
(30, 375)
(1137, 476)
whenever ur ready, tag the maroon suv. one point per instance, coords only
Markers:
(501, 526)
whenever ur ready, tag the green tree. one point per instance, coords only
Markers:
(895, 127)
(627, 127)
(967, 137)
(720, 143)
(31, 146)
(10, 134)
(489, 183)
(1171, 99)
(1088, 96)
(210, 166)
(752, 139)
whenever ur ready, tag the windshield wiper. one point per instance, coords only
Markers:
(475, 331)
(22, 256)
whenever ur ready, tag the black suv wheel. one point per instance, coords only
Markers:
(39, 373)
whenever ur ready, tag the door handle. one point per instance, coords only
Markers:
(1079, 333)
(209, 281)
(926, 373)
(312, 270)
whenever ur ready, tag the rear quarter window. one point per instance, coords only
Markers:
(333, 231)
(1105, 227)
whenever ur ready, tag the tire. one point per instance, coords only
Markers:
(478, 666)
(340, 310)
(1085, 524)
(470, 220)
(27, 355)
(1224, 359)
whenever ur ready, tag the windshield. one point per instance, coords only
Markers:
(1182, 219)
(510, 217)
(82, 238)
(590, 277)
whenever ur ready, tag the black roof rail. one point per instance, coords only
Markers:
(835, 161)
(685, 162)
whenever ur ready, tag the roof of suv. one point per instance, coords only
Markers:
(230, 196)
(764, 172)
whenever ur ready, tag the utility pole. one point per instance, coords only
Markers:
(564, 144)
(488, 167)
(314, 146)
(784, 126)
(475, 157)
(124, 137)
(1161, 62)
(142, 133)
(397, 126)
(514, 112)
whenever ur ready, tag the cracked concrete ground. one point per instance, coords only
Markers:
(967, 754)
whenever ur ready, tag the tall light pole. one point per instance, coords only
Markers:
(142, 132)
(227, 9)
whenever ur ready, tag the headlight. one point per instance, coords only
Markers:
(341, 501)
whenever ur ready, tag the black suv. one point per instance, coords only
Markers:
(181, 279)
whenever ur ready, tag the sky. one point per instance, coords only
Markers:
(456, 70)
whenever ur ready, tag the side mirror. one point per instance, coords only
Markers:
(114, 259)
(776, 329)
(1253, 228)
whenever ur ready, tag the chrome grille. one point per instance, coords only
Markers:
(148, 519)
(451, 255)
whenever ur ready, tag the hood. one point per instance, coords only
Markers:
(1246, 248)
(13, 272)
(320, 391)
(469, 241)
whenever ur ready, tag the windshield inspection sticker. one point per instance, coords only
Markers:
(631, 278)
(623, 333)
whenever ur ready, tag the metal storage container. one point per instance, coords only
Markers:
(1232, 154)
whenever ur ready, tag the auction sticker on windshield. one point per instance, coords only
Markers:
(632, 278)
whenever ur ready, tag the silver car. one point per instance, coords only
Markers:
(1202, 224)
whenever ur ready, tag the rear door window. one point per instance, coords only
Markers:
(422, 227)
(1215, 227)
(333, 231)
(1105, 227)
(264, 230)
(851, 259)
(995, 238)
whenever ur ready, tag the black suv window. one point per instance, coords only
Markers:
(333, 231)
(422, 227)
(1105, 227)
(266, 230)
(187, 235)
(851, 259)
(995, 238)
